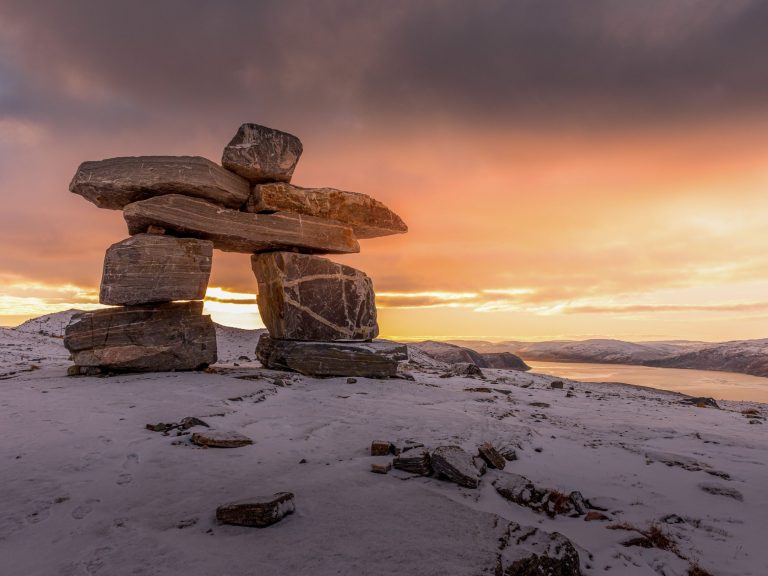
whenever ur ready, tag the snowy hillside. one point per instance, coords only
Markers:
(747, 356)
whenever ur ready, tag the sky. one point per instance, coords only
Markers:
(567, 169)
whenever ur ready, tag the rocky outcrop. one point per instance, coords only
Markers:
(152, 268)
(491, 456)
(456, 465)
(505, 360)
(234, 231)
(367, 217)
(377, 359)
(262, 154)
(257, 512)
(116, 182)
(143, 338)
(521, 491)
(305, 297)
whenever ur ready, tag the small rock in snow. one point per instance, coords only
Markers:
(216, 439)
(259, 512)
(491, 456)
(455, 464)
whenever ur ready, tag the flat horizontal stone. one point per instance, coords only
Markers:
(144, 338)
(305, 297)
(221, 439)
(368, 218)
(115, 182)
(415, 462)
(150, 268)
(234, 231)
(258, 512)
(262, 154)
(366, 359)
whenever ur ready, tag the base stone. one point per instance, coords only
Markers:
(376, 359)
(145, 338)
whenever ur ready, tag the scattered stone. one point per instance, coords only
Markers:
(191, 422)
(509, 454)
(367, 217)
(262, 154)
(481, 389)
(594, 515)
(456, 465)
(381, 448)
(143, 338)
(414, 463)
(529, 551)
(488, 453)
(216, 439)
(305, 297)
(463, 369)
(149, 268)
(186, 523)
(539, 404)
(480, 464)
(408, 445)
(351, 380)
(556, 385)
(376, 359)
(116, 182)
(569, 394)
(259, 512)
(76, 370)
(701, 402)
(721, 490)
(381, 468)
(234, 231)
(519, 490)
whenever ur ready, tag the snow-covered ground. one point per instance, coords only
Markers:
(88, 490)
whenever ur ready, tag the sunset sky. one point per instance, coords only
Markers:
(567, 169)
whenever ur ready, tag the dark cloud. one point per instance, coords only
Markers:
(326, 63)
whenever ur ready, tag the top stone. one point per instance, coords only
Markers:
(115, 182)
(262, 154)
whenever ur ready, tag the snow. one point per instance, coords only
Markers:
(87, 489)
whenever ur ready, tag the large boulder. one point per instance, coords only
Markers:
(368, 218)
(305, 297)
(234, 231)
(377, 359)
(152, 268)
(262, 154)
(531, 551)
(144, 338)
(115, 182)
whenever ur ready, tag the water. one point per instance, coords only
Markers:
(718, 385)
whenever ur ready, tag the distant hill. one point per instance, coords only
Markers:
(744, 356)
(452, 354)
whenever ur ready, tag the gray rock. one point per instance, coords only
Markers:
(556, 385)
(456, 465)
(367, 359)
(234, 231)
(115, 182)
(305, 297)
(150, 268)
(262, 154)
(221, 439)
(258, 512)
(143, 338)
(529, 551)
(488, 453)
(367, 217)
(416, 462)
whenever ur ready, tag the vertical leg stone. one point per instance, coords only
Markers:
(303, 297)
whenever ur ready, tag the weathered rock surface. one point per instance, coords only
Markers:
(368, 218)
(456, 465)
(415, 462)
(262, 154)
(150, 268)
(492, 456)
(381, 448)
(530, 551)
(143, 338)
(115, 182)
(305, 297)
(234, 231)
(521, 491)
(221, 439)
(367, 359)
(258, 512)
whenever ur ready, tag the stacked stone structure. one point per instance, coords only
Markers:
(321, 316)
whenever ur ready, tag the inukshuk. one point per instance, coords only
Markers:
(321, 316)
